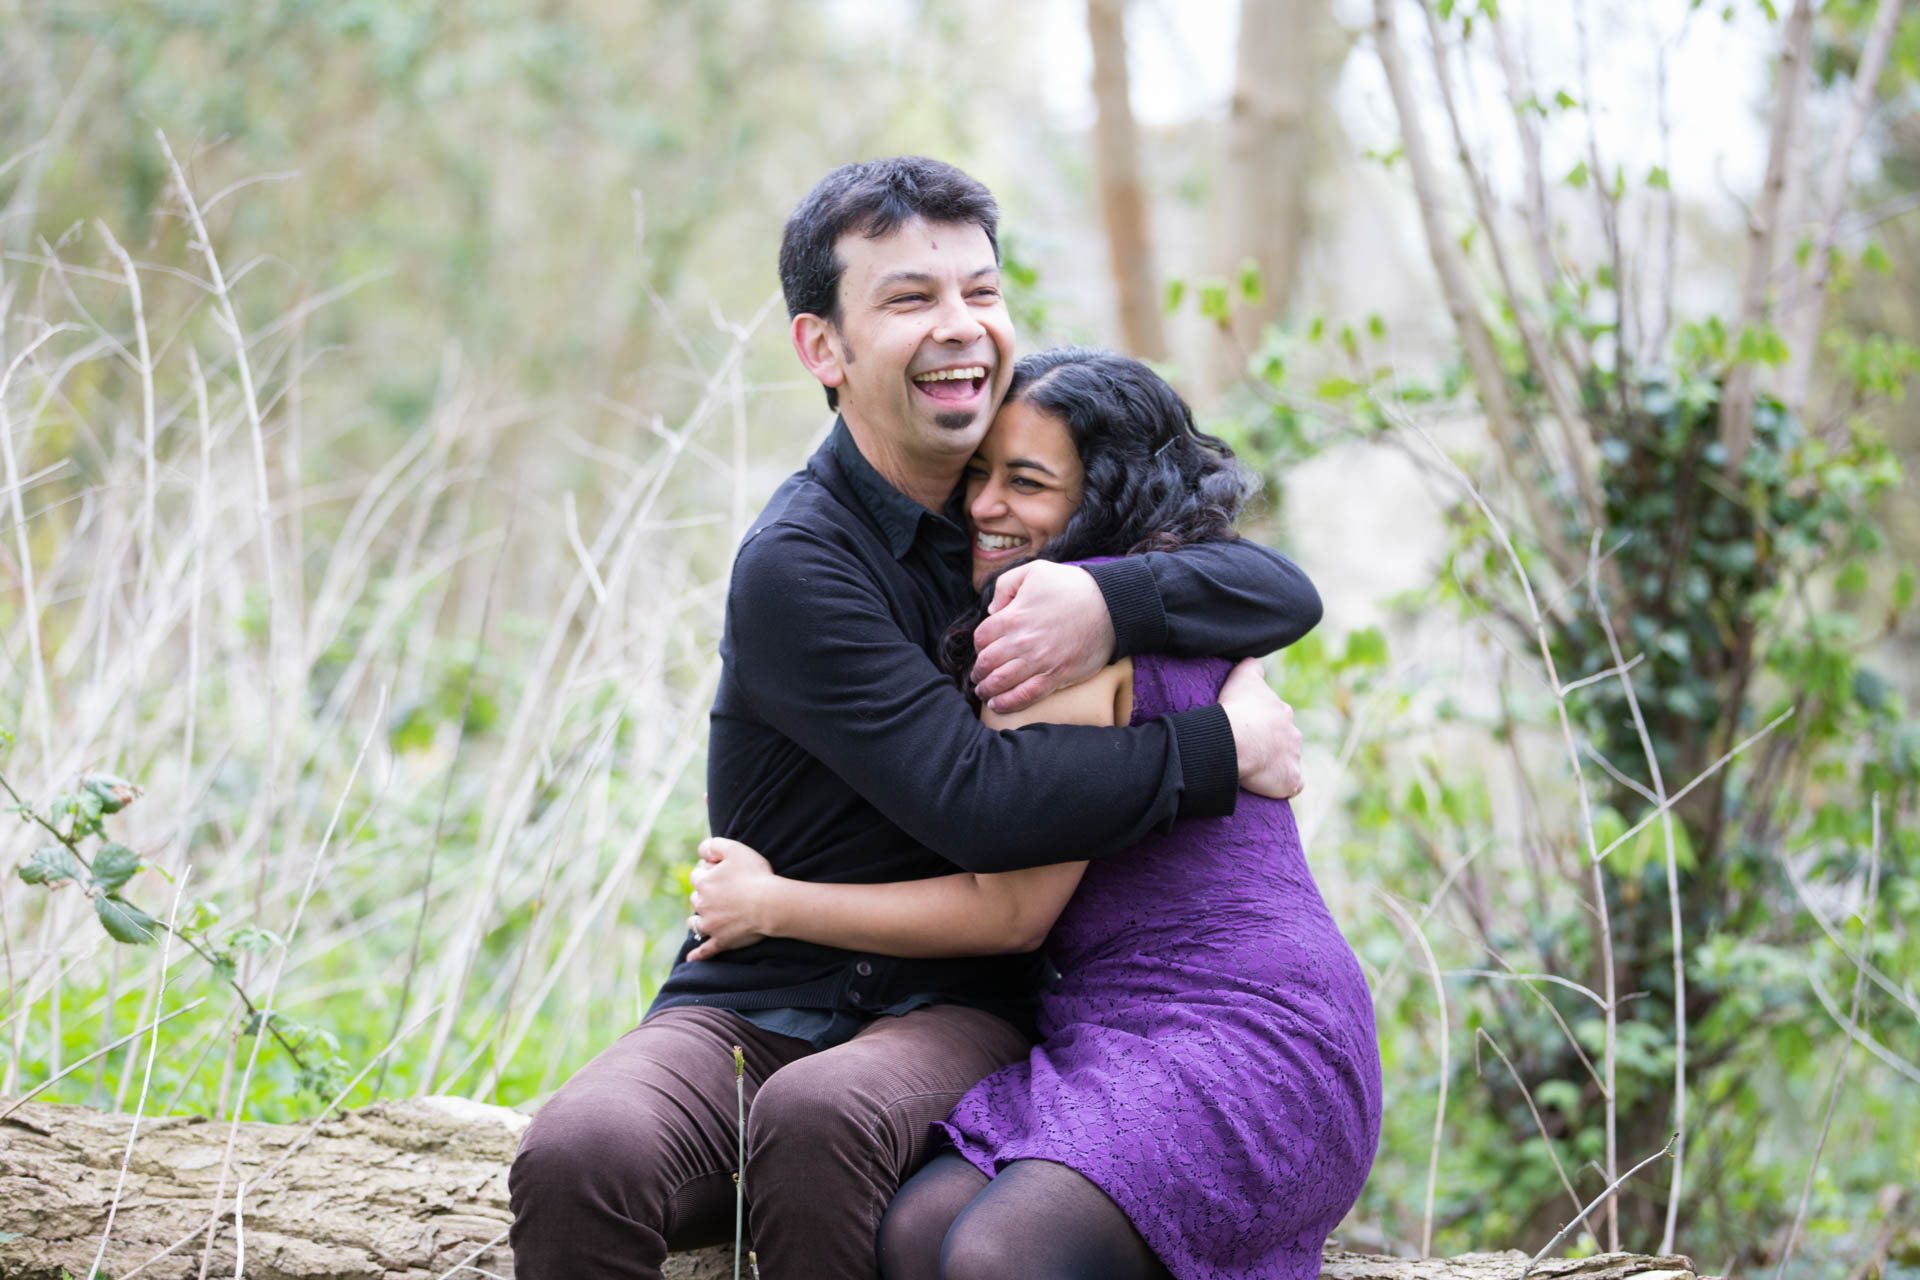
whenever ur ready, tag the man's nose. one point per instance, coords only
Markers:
(956, 321)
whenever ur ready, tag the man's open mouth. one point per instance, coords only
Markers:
(954, 385)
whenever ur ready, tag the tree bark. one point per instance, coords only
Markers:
(413, 1190)
(1456, 287)
(1123, 204)
(1763, 230)
(1282, 66)
(1806, 302)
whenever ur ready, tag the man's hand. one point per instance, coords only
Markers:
(1047, 628)
(1264, 735)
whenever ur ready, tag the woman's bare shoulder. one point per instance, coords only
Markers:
(1105, 698)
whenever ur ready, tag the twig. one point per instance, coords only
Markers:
(135, 1034)
(740, 1167)
(1874, 974)
(1582, 1215)
(1604, 932)
(1710, 770)
(1858, 1032)
(146, 1080)
(1763, 229)
(1440, 1107)
(1659, 798)
(1807, 298)
(1846, 1050)
(1479, 1034)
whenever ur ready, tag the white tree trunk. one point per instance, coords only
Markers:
(1123, 203)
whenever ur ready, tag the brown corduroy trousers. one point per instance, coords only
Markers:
(635, 1155)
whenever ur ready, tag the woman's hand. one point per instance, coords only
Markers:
(732, 889)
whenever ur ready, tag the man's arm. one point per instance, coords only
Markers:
(1210, 600)
(1053, 625)
(819, 657)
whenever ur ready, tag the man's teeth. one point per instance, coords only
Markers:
(951, 375)
(997, 541)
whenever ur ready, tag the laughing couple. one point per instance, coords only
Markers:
(1010, 917)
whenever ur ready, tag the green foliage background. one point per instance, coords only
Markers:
(499, 268)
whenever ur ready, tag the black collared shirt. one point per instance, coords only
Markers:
(840, 751)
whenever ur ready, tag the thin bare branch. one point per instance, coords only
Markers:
(1763, 229)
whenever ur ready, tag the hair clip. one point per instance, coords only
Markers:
(1166, 446)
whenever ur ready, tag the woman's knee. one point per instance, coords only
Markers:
(978, 1251)
(916, 1222)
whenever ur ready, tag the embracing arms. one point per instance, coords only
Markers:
(817, 652)
(1053, 625)
(738, 900)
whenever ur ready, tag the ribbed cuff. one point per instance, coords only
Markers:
(1209, 765)
(1133, 602)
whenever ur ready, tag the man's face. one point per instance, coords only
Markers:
(924, 348)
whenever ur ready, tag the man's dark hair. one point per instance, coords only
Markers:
(872, 198)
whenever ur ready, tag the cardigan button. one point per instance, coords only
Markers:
(864, 969)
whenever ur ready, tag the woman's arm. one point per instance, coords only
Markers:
(738, 900)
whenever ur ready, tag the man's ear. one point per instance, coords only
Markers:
(817, 344)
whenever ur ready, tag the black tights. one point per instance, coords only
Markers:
(1036, 1219)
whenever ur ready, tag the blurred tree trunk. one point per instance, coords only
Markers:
(1123, 204)
(1286, 58)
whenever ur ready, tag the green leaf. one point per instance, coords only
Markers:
(1366, 647)
(258, 941)
(1336, 388)
(1874, 258)
(1657, 179)
(1577, 176)
(113, 866)
(1376, 326)
(1444, 9)
(1216, 304)
(1252, 289)
(125, 922)
(50, 865)
(1316, 329)
(1176, 294)
(412, 727)
(113, 793)
(1565, 101)
(1903, 589)
(1561, 1095)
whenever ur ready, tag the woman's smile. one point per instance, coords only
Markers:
(1023, 486)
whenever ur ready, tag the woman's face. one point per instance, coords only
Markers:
(1023, 485)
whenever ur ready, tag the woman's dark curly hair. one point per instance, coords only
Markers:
(1153, 482)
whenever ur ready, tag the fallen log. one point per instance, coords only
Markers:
(413, 1190)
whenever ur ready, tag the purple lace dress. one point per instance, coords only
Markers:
(1207, 1056)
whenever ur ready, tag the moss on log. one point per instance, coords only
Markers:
(412, 1190)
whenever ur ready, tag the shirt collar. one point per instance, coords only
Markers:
(898, 516)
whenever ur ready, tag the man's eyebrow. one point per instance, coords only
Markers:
(895, 278)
